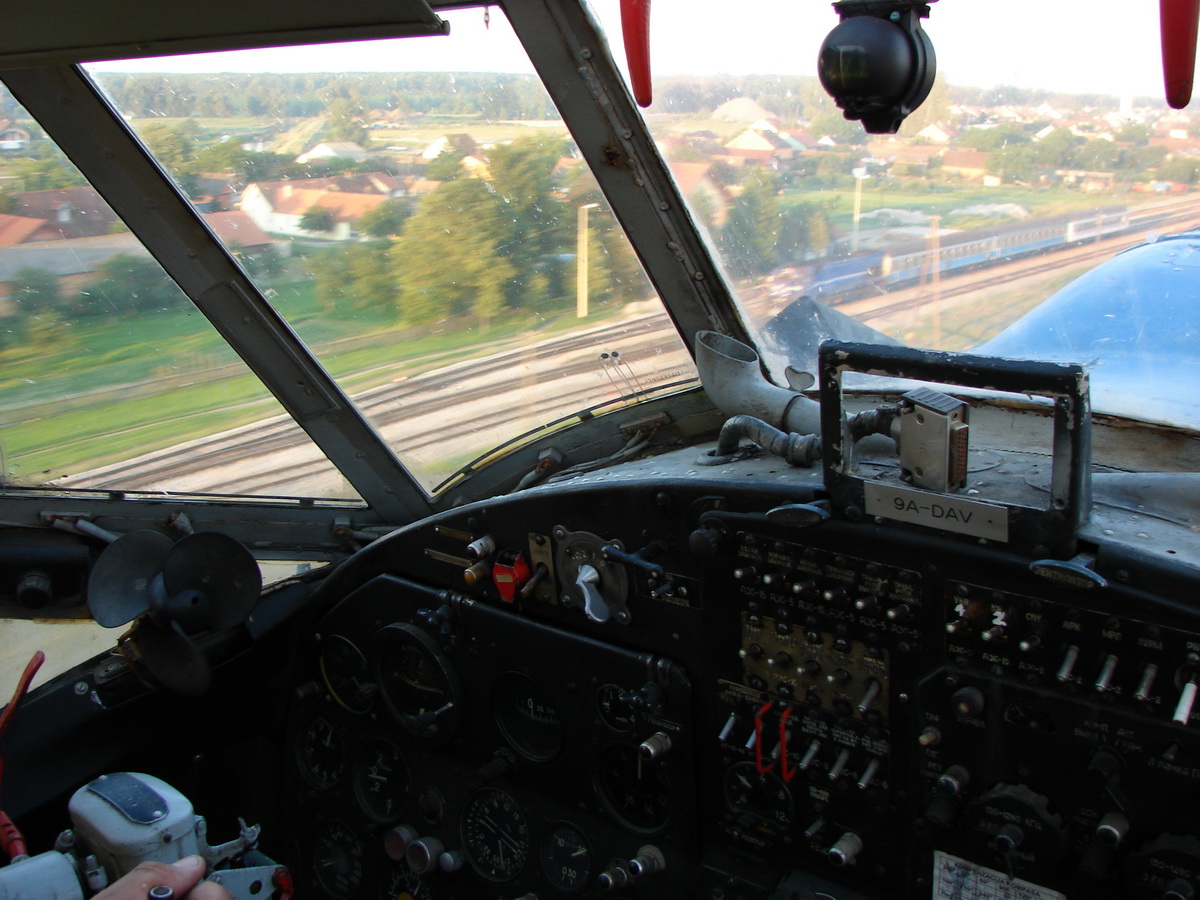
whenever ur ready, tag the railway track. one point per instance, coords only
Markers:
(567, 360)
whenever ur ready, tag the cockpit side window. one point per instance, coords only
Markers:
(111, 379)
(433, 236)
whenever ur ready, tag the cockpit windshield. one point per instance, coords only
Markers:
(417, 212)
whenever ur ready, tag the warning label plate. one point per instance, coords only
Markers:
(957, 879)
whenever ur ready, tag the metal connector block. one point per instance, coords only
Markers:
(933, 440)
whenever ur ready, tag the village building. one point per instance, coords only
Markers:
(334, 150)
(966, 163)
(278, 207)
(71, 212)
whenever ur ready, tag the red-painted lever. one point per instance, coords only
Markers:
(758, 739)
(635, 25)
(1179, 20)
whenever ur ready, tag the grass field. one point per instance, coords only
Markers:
(141, 383)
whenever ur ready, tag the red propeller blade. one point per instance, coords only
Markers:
(635, 25)
(1179, 20)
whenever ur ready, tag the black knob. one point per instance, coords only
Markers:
(1009, 838)
(706, 541)
(1103, 767)
(967, 702)
(940, 814)
(1179, 889)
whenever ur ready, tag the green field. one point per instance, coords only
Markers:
(131, 386)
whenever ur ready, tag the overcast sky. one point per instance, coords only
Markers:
(1075, 46)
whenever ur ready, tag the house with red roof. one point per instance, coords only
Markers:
(277, 207)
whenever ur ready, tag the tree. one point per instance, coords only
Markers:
(1013, 163)
(934, 110)
(385, 220)
(174, 147)
(35, 290)
(1181, 170)
(833, 123)
(263, 265)
(343, 123)
(446, 167)
(316, 220)
(130, 283)
(990, 139)
(1057, 150)
(1133, 133)
(804, 232)
(750, 234)
(523, 179)
(1098, 155)
(448, 262)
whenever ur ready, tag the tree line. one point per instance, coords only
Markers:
(293, 96)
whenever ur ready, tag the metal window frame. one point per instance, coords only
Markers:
(569, 53)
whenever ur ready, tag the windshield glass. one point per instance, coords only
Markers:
(1026, 167)
(111, 379)
(423, 221)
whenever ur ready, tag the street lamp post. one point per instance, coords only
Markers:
(860, 175)
(581, 261)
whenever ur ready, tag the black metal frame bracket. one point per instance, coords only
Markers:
(1044, 531)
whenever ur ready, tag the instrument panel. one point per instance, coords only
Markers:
(656, 689)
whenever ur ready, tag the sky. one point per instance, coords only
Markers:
(1098, 46)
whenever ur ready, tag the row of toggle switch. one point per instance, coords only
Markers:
(767, 762)
(1150, 671)
(425, 855)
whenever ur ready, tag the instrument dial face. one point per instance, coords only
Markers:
(762, 794)
(616, 713)
(566, 857)
(338, 860)
(526, 717)
(418, 684)
(402, 883)
(346, 674)
(633, 789)
(495, 834)
(321, 753)
(381, 780)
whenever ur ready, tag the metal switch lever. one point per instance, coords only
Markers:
(593, 603)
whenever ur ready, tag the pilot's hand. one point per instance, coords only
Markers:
(182, 877)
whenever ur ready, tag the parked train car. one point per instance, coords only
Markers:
(907, 264)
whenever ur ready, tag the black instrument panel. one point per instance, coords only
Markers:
(853, 708)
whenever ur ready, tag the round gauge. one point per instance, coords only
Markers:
(402, 883)
(527, 717)
(338, 860)
(615, 712)
(381, 780)
(346, 674)
(634, 789)
(762, 794)
(566, 857)
(495, 834)
(321, 753)
(419, 686)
